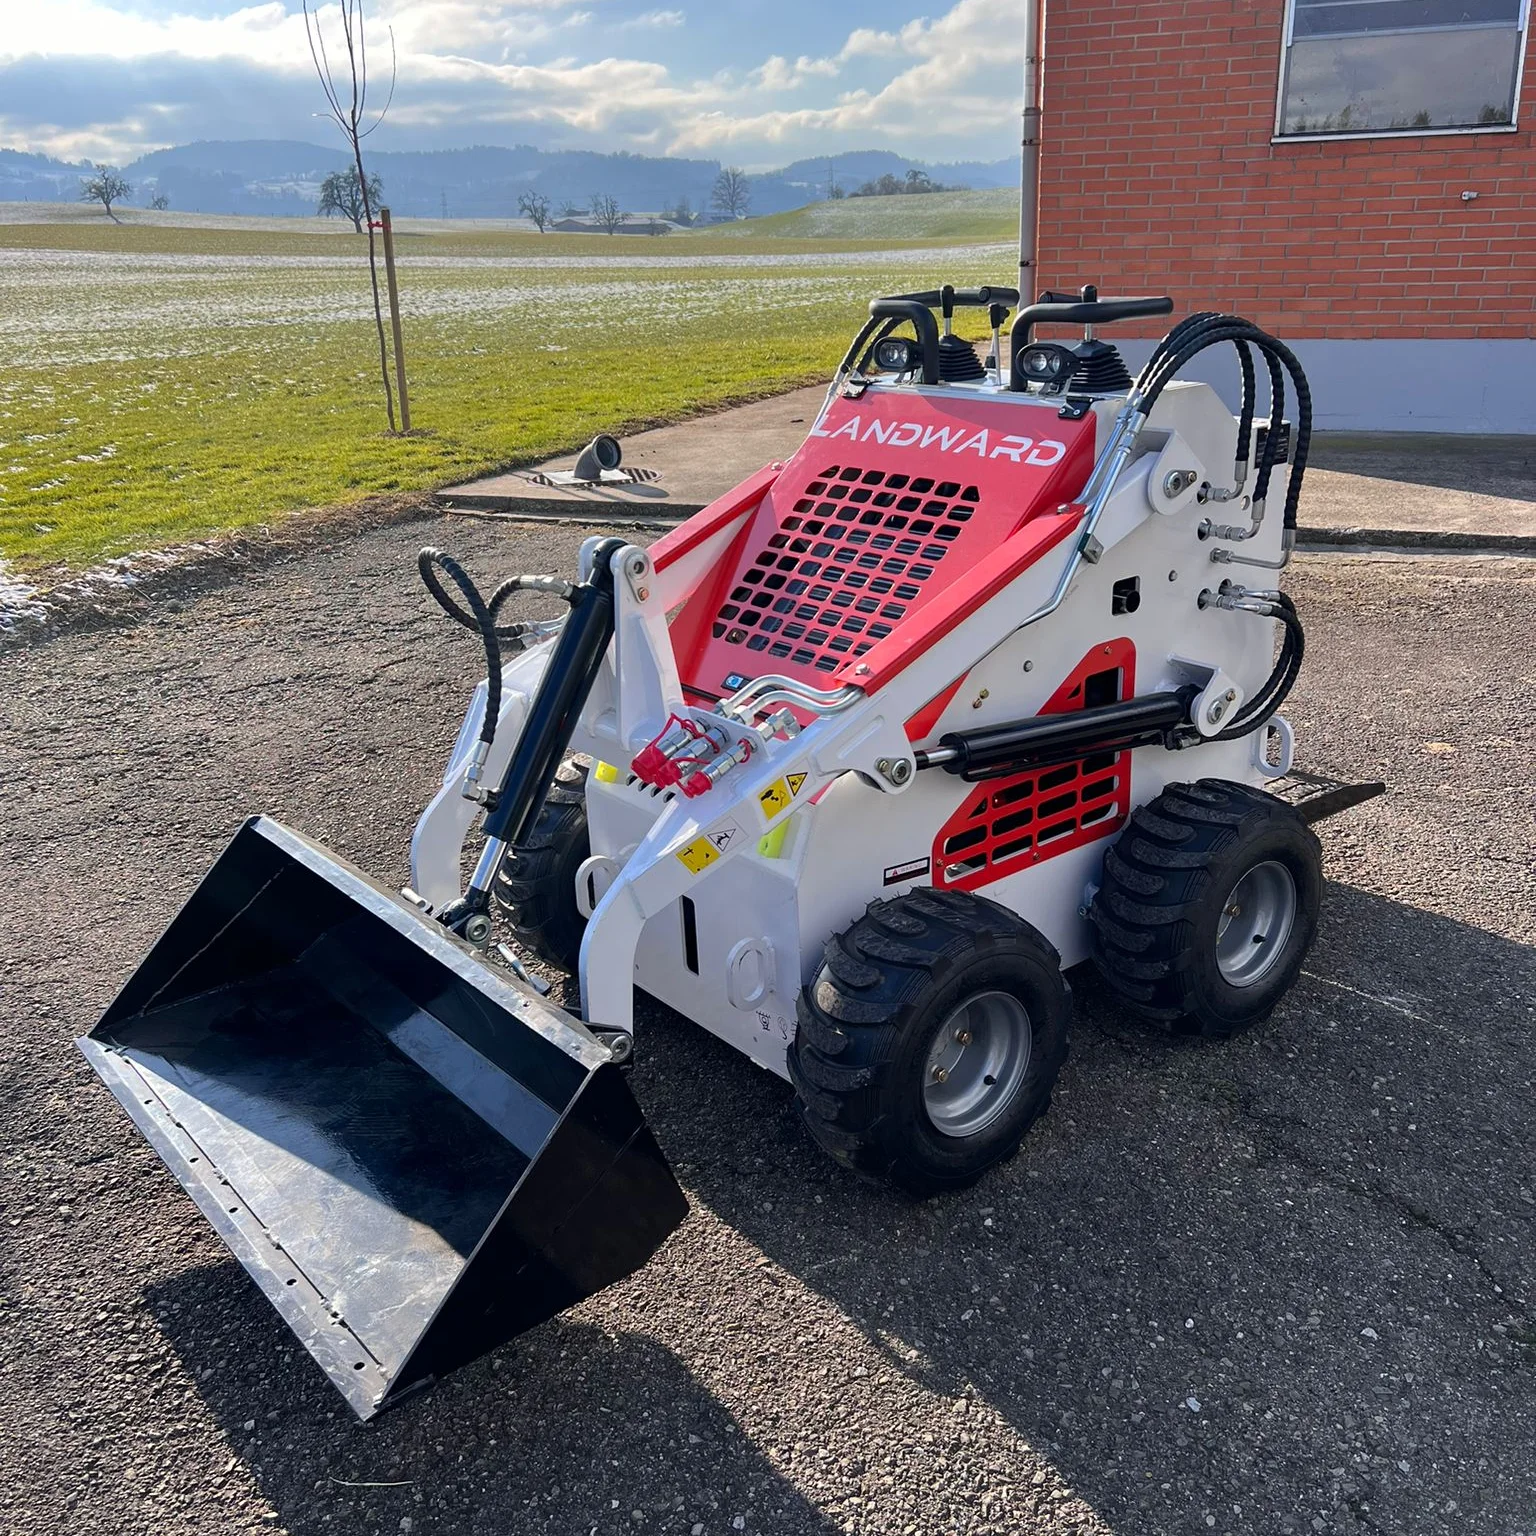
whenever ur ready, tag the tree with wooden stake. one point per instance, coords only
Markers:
(388, 231)
(347, 107)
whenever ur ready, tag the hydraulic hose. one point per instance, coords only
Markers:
(482, 616)
(1184, 342)
(1169, 359)
(1260, 709)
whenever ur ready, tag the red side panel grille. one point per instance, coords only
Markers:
(1007, 824)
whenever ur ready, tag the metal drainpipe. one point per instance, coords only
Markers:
(1029, 198)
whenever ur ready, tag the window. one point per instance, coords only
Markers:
(1400, 66)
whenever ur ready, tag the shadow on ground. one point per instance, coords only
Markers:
(528, 1439)
(1493, 466)
(1286, 1280)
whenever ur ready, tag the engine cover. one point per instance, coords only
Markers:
(891, 497)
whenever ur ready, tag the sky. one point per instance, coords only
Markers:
(756, 83)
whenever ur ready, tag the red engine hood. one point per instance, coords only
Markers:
(890, 501)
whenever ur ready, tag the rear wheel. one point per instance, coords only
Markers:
(1209, 905)
(930, 1039)
(536, 884)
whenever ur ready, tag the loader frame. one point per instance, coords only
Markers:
(720, 905)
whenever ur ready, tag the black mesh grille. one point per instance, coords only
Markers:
(845, 565)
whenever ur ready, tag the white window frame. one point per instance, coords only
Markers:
(1512, 126)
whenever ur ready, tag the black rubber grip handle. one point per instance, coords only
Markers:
(1059, 309)
(964, 298)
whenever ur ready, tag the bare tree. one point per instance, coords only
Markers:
(106, 187)
(607, 214)
(341, 192)
(347, 106)
(535, 206)
(732, 194)
(159, 203)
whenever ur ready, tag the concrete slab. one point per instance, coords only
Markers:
(697, 461)
(1458, 492)
(1381, 489)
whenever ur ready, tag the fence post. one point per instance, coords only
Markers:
(394, 318)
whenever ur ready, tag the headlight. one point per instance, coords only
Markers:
(894, 355)
(1048, 365)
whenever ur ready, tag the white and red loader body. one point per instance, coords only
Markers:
(895, 580)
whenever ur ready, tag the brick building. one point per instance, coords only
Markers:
(1357, 176)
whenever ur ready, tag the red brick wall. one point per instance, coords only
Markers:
(1159, 176)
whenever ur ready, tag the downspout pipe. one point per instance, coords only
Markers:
(1029, 190)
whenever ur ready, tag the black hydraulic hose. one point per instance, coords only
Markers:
(1259, 710)
(866, 330)
(1177, 335)
(1155, 380)
(481, 618)
(1250, 399)
(1271, 452)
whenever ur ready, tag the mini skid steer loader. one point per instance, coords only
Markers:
(981, 683)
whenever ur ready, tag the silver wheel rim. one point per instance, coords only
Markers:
(1256, 922)
(977, 1064)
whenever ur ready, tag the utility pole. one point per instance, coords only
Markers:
(1029, 191)
(394, 317)
(445, 203)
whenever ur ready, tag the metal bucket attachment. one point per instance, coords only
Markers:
(415, 1159)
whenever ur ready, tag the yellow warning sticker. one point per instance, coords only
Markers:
(699, 855)
(780, 795)
(706, 850)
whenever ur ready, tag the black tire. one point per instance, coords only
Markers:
(536, 884)
(1168, 881)
(867, 1022)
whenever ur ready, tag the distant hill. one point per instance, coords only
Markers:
(282, 177)
(28, 178)
(980, 216)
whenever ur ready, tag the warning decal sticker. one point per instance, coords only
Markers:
(706, 850)
(913, 869)
(776, 799)
(780, 795)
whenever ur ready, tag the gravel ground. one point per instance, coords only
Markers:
(1280, 1285)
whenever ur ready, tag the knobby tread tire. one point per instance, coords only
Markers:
(1166, 879)
(866, 1022)
(536, 884)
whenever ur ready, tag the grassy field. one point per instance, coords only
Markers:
(171, 377)
(958, 216)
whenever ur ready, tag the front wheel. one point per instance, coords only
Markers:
(536, 884)
(1209, 905)
(930, 1039)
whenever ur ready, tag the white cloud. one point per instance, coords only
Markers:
(469, 70)
(655, 19)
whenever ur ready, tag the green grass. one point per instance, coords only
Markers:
(170, 380)
(946, 216)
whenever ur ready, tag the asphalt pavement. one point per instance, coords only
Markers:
(1286, 1284)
